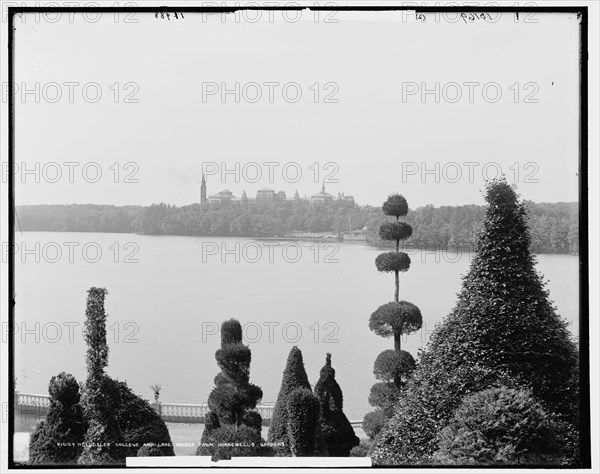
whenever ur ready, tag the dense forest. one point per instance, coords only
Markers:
(554, 226)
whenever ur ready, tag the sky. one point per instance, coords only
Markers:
(293, 105)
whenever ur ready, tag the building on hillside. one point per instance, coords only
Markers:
(223, 197)
(265, 195)
(322, 197)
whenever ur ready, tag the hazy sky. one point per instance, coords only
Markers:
(365, 122)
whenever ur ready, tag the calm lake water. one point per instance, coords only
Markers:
(168, 296)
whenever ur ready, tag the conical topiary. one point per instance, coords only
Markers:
(337, 431)
(294, 376)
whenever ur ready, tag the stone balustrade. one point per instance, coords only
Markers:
(27, 403)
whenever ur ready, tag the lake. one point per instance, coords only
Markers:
(168, 296)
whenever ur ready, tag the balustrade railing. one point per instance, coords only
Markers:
(172, 412)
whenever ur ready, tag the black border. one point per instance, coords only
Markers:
(584, 340)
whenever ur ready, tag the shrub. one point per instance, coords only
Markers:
(393, 366)
(374, 421)
(57, 439)
(392, 262)
(499, 426)
(150, 450)
(303, 419)
(392, 319)
(233, 394)
(252, 419)
(230, 441)
(230, 400)
(502, 331)
(395, 231)
(362, 450)
(384, 395)
(395, 205)
(139, 423)
(231, 332)
(396, 318)
(294, 376)
(337, 431)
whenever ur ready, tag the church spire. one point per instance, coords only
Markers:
(203, 190)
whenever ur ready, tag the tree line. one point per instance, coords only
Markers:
(554, 226)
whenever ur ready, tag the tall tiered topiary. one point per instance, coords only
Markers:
(231, 399)
(392, 367)
(337, 431)
(503, 330)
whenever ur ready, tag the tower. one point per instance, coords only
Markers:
(203, 190)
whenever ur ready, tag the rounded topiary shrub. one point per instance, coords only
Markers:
(373, 422)
(395, 231)
(395, 205)
(392, 262)
(402, 317)
(499, 426)
(383, 395)
(393, 365)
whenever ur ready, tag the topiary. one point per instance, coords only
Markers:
(384, 395)
(58, 438)
(499, 426)
(139, 423)
(374, 421)
(502, 331)
(392, 262)
(230, 441)
(395, 231)
(231, 399)
(150, 450)
(303, 419)
(394, 319)
(394, 366)
(337, 431)
(233, 394)
(294, 376)
(395, 205)
(362, 450)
